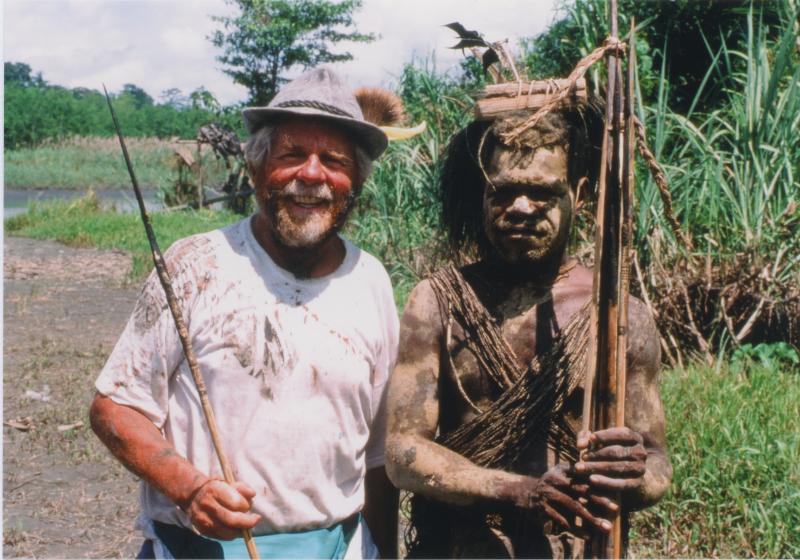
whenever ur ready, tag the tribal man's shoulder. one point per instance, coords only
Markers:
(640, 317)
(421, 325)
(422, 309)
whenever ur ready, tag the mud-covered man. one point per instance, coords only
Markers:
(485, 403)
(295, 330)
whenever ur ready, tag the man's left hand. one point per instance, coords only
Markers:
(613, 459)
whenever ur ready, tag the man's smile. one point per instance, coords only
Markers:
(308, 202)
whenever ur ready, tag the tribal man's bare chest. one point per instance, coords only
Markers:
(529, 320)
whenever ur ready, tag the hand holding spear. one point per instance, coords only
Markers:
(604, 387)
(183, 333)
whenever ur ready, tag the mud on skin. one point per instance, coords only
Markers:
(531, 293)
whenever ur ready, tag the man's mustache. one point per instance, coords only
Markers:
(296, 187)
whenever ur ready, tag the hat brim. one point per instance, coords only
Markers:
(369, 137)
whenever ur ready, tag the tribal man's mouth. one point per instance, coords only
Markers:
(538, 231)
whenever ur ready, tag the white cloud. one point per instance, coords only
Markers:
(161, 44)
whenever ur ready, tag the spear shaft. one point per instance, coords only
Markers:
(180, 325)
(604, 385)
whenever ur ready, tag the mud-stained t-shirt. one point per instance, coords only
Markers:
(296, 372)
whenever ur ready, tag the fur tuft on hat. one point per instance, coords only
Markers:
(380, 106)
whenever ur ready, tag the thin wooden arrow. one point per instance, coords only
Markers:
(180, 325)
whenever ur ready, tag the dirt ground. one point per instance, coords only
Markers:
(64, 496)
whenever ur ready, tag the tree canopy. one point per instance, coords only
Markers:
(36, 111)
(267, 38)
(20, 74)
(684, 35)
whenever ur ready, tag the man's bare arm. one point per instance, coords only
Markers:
(415, 462)
(216, 509)
(631, 459)
(644, 412)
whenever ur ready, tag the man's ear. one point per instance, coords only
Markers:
(578, 193)
(253, 173)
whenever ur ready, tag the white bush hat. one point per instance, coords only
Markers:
(319, 93)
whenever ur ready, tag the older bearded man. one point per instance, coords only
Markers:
(295, 331)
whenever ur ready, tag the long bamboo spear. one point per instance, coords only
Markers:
(180, 325)
(604, 386)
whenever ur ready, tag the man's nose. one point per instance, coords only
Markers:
(311, 171)
(523, 205)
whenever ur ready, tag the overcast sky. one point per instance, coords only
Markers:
(161, 44)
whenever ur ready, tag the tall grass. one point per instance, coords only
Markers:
(733, 172)
(735, 449)
(734, 178)
(96, 163)
(398, 215)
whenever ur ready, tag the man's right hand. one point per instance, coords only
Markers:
(221, 510)
(558, 497)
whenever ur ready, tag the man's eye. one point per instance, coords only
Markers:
(500, 197)
(334, 161)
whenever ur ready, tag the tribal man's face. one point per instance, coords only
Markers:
(307, 187)
(527, 207)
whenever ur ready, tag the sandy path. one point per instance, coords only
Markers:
(63, 494)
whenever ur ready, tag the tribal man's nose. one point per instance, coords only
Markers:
(523, 205)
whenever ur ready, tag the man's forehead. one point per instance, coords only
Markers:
(542, 166)
(303, 130)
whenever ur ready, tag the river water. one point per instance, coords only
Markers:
(15, 201)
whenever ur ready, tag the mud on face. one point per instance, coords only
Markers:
(577, 131)
(527, 203)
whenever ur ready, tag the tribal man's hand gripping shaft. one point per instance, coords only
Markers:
(604, 388)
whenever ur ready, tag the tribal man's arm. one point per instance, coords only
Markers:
(414, 461)
(644, 412)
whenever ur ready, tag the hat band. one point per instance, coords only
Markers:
(315, 105)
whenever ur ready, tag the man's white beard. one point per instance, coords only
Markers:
(315, 228)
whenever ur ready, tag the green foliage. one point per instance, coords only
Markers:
(397, 216)
(84, 222)
(778, 355)
(735, 450)
(732, 171)
(267, 38)
(683, 35)
(138, 96)
(84, 163)
(20, 74)
(36, 112)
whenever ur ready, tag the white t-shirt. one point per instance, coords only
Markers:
(296, 372)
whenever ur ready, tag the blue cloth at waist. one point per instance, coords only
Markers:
(328, 542)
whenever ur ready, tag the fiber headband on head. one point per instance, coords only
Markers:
(498, 99)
